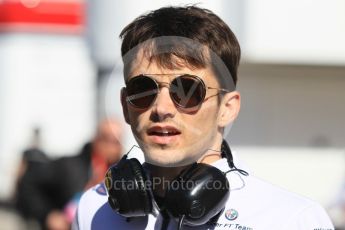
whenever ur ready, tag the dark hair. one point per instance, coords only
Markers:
(196, 24)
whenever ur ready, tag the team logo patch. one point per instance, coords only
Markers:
(100, 189)
(231, 214)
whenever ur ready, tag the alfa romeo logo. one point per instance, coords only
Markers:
(231, 214)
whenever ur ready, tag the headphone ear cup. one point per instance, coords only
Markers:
(201, 195)
(126, 183)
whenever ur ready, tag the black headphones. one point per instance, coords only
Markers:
(200, 194)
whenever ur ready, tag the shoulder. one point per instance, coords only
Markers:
(279, 197)
(269, 206)
(91, 203)
(94, 212)
(258, 204)
(95, 196)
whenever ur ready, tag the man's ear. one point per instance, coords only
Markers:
(229, 108)
(124, 104)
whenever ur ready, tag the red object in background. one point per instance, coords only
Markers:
(42, 15)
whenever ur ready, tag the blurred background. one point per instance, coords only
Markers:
(60, 75)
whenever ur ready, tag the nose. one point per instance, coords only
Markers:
(163, 106)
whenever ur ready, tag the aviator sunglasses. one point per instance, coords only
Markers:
(186, 91)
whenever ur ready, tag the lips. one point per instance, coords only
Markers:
(164, 135)
(163, 131)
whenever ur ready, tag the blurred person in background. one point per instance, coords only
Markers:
(31, 166)
(49, 194)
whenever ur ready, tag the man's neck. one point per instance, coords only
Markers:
(162, 176)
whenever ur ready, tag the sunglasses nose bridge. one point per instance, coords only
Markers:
(163, 84)
(163, 103)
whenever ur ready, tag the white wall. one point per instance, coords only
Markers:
(295, 31)
(47, 82)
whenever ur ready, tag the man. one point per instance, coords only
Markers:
(180, 69)
(49, 191)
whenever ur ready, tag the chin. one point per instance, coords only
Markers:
(169, 159)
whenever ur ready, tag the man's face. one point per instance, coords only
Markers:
(167, 135)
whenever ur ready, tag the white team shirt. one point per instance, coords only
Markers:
(253, 205)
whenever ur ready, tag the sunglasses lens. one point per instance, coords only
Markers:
(187, 91)
(141, 91)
